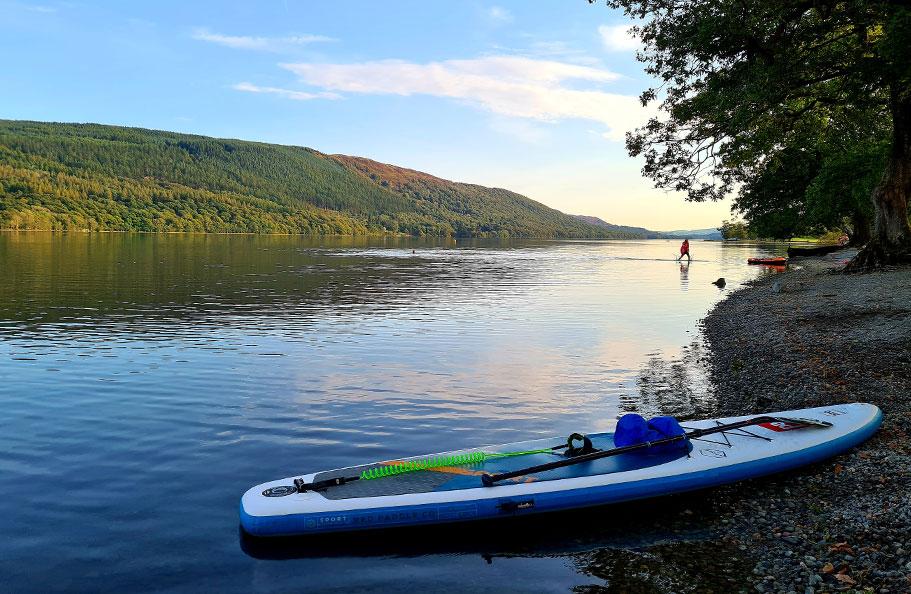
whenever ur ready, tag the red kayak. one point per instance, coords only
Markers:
(776, 261)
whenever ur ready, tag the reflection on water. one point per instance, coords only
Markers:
(148, 380)
(610, 548)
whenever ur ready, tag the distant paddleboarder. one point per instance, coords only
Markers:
(685, 250)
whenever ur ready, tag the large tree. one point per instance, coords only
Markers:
(742, 79)
(813, 186)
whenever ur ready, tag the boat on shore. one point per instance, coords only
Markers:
(773, 261)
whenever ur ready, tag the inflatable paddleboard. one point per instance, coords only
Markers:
(450, 487)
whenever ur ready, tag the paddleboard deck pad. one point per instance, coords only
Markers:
(455, 493)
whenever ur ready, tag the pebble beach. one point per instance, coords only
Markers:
(810, 337)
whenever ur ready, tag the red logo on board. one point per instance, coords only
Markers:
(782, 426)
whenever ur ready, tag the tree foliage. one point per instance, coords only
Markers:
(809, 190)
(735, 230)
(747, 85)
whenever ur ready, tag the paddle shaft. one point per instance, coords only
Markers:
(490, 479)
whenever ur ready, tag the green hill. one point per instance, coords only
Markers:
(95, 177)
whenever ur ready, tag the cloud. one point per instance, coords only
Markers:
(551, 50)
(499, 14)
(44, 9)
(511, 86)
(287, 93)
(618, 38)
(258, 43)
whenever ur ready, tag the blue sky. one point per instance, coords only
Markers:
(529, 95)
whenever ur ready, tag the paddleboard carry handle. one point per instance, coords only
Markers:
(303, 487)
(572, 449)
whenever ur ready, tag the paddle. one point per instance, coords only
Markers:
(489, 480)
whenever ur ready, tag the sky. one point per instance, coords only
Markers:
(530, 95)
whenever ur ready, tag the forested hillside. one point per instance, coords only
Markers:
(94, 177)
(472, 210)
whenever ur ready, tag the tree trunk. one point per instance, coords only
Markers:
(860, 229)
(891, 240)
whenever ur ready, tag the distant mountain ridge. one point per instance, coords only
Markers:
(649, 234)
(692, 234)
(640, 232)
(97, 177)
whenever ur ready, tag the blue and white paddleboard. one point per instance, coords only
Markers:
(455, 493)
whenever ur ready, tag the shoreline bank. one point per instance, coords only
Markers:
(803, 338)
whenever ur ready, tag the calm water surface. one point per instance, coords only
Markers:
(147, 381)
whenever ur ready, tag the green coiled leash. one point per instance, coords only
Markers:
(396, 468)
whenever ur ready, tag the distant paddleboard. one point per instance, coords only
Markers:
(538, 476)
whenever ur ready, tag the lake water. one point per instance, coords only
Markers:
(146, 381)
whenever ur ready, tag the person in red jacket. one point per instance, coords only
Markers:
(685, 250)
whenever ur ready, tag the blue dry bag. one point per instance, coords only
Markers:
(632, 429)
